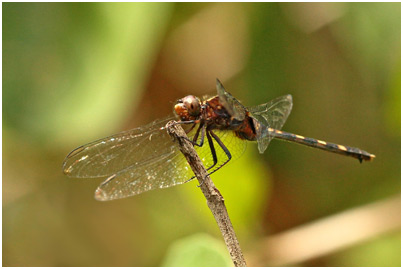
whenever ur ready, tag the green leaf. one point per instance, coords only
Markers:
(197, 250)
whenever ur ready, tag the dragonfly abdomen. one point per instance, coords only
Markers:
(315, 143)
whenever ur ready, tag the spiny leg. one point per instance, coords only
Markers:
(203, 132)
(212, 149)
(190, 129)
(213, 154)
(185, 122)
(182, 122)
(224, 148)
(201, 127)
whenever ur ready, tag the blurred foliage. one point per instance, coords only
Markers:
(387, 249)
(75, 72)
(199, 250)
(80, 61)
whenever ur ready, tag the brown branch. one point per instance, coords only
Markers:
(215, 201)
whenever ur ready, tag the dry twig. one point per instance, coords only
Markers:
(328, 235)
(215, 201)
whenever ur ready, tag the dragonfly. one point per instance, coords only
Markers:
(146, 158)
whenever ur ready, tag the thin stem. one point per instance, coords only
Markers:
(215, 201)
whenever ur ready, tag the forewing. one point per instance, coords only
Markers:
(143, 159)
(270, 115)
(233, 106)
(115, 153)
(168, 170)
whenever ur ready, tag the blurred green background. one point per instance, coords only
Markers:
(76, 72)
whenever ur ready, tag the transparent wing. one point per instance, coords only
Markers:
(166, 171)
(112, 154)
(270, 115)
(233, 106)
(142, 159)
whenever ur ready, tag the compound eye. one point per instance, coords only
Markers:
(192, 104)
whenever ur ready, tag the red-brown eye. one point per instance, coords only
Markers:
(192, 104)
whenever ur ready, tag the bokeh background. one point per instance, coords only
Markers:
(76, 72)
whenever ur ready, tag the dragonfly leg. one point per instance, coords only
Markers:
(203, 132)
(213, 153)
(203, 180)
(224, 148)
(182, 122)
(202, 127)
(190, 129)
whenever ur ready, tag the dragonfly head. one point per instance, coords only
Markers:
(188, 108)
